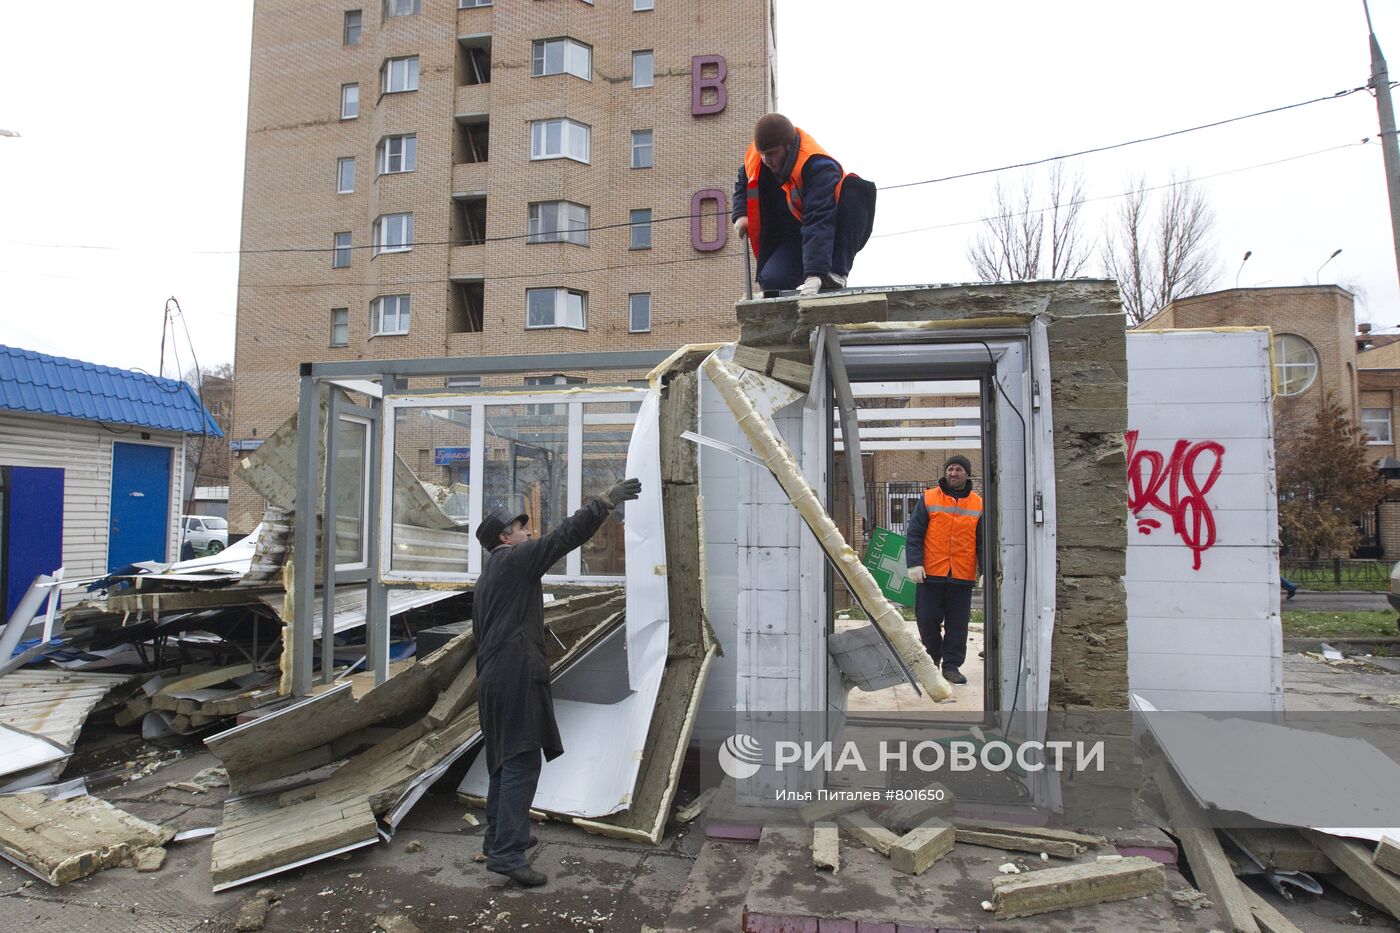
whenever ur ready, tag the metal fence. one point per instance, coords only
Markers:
(1374, 574)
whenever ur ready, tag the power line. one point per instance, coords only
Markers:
(689, 216)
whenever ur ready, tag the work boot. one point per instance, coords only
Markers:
(953, 675)
(526, 876)
(831, 282)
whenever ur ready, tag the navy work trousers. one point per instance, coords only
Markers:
(943, 610)
(855, 214)
(508, 800)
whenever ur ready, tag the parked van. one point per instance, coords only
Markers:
(208, 534)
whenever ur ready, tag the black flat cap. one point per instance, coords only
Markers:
(495, 522)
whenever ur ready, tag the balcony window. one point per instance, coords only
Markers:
(400, 75)
(393, 233)
(402, 7)
(556, 307)
(559, 139)
(388, 315)
(562, 56)
(398, 154)
(558, 222)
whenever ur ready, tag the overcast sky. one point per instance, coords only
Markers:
(125, 186)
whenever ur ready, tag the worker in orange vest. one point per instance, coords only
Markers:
(805, 217)
(943, 549)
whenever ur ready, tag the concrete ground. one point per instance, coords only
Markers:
(426, 872)
(968, 698)
(1338, 601)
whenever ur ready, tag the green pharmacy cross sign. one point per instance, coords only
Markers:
(884, 558)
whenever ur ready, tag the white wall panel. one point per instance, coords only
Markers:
(1204, 637)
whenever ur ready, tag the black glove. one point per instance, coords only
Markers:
(622, 492)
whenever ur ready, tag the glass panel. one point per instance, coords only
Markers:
(431, 485)
(641, 69)
(553, 57)
(607, 429)
(527, 465)
(640, 231)
(539, 304)
(351, 439)
(639, 312)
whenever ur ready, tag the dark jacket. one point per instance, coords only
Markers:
(512, 664)
(917, 527)
(818, 225)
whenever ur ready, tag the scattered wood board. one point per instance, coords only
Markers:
(63, 840)
(1209, 865)
(1284, 849)
(826, 847)
(929, 802)
(1268, 918)
(863, 826)
(1038, 892)
(1012, 842)
(1387, 855)
(918, 849)
(1083, 840)
(249, 845)
(1355, 861)
(821, 811)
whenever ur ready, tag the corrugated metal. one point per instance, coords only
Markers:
(83, 450)
(54, 385)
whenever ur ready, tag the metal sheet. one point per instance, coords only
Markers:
(351, 599)
(24, 757)
(605, 740)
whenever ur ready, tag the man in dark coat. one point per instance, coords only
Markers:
(512, 668)
(805, 217)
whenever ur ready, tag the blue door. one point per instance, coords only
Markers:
(33, 528)
(140, 518)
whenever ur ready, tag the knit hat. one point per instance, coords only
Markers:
(961, 461)
(773, 130)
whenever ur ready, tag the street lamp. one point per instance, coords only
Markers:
(1247, 254)
(1318, 273)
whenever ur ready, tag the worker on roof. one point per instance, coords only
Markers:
(943, 548)
(804, 216)
(512, 668)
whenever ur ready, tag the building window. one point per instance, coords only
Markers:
(639, 233)
(639, 313)
(388, 315)
(550, 382)
(558, 222)
(562, 56)
(340, 257)
(559, 139)
(643, 68)
(1295, 364)
(464, 382)
(393, 233)
(641, 6)
(641, 148)
(400, 74)
(345, 175)
(349, 101)
(398, 154)
(354, 26)
(340, 327)
(556, 307)
(469, 4)
(1376, 423)
(402, 7)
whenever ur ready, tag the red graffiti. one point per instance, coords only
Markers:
(1185, 502)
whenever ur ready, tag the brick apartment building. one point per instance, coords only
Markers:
(443, 178)
(1319, 352)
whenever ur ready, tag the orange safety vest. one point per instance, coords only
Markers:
(792, 187)
(950, 542)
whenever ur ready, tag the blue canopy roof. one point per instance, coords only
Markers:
(53, 385)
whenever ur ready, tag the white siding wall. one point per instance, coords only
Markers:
(83, 450)
(1207, 637)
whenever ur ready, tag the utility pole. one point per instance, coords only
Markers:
(1390, 150)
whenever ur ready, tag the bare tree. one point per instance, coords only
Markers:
(1160, 249)
(1013, 242)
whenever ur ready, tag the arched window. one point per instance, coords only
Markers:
(1295, 364)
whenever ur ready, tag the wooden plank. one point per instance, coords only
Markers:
(826, 847)
(843, 309)
(1085, 840)
(1355, 861)
(1268, 918)
(1387, 855)
(792, 373)
(870, 833)
(1284, 849)
(1209, 865)
(935, 800)
(760, 361)
(1038, 892)
(1017, 843)
(918, 849)
(243, 848)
